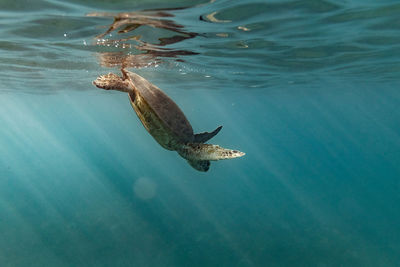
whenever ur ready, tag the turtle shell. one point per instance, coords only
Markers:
(164, 107)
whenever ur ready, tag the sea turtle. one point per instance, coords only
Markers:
(165, 121)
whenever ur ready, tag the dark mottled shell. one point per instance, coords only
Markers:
(165, 108)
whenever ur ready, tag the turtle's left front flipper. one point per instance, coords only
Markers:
(204, 137)
(198, 152)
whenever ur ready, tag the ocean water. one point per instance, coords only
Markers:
(308, 89)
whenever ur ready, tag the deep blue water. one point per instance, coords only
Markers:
(308, 89)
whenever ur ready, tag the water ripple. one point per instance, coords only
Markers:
(298, 41)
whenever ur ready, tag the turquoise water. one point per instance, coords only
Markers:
(308, 89)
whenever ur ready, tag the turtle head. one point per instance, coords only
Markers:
(112, 81)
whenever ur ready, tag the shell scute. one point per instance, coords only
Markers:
(164, 108)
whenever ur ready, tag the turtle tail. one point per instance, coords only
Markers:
(204, 152)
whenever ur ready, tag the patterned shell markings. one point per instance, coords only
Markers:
(164, 107)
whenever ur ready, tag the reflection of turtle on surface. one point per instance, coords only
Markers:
(165, 121)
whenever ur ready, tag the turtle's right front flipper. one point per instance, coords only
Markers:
(207, 152)
(200, 165)
(112, 81)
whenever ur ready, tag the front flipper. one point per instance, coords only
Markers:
(204, 137)
(200, 165)
(207, 152)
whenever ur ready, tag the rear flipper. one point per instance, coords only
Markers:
(200, 165)
(204, 137)
(112, 81)
(198, 152)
